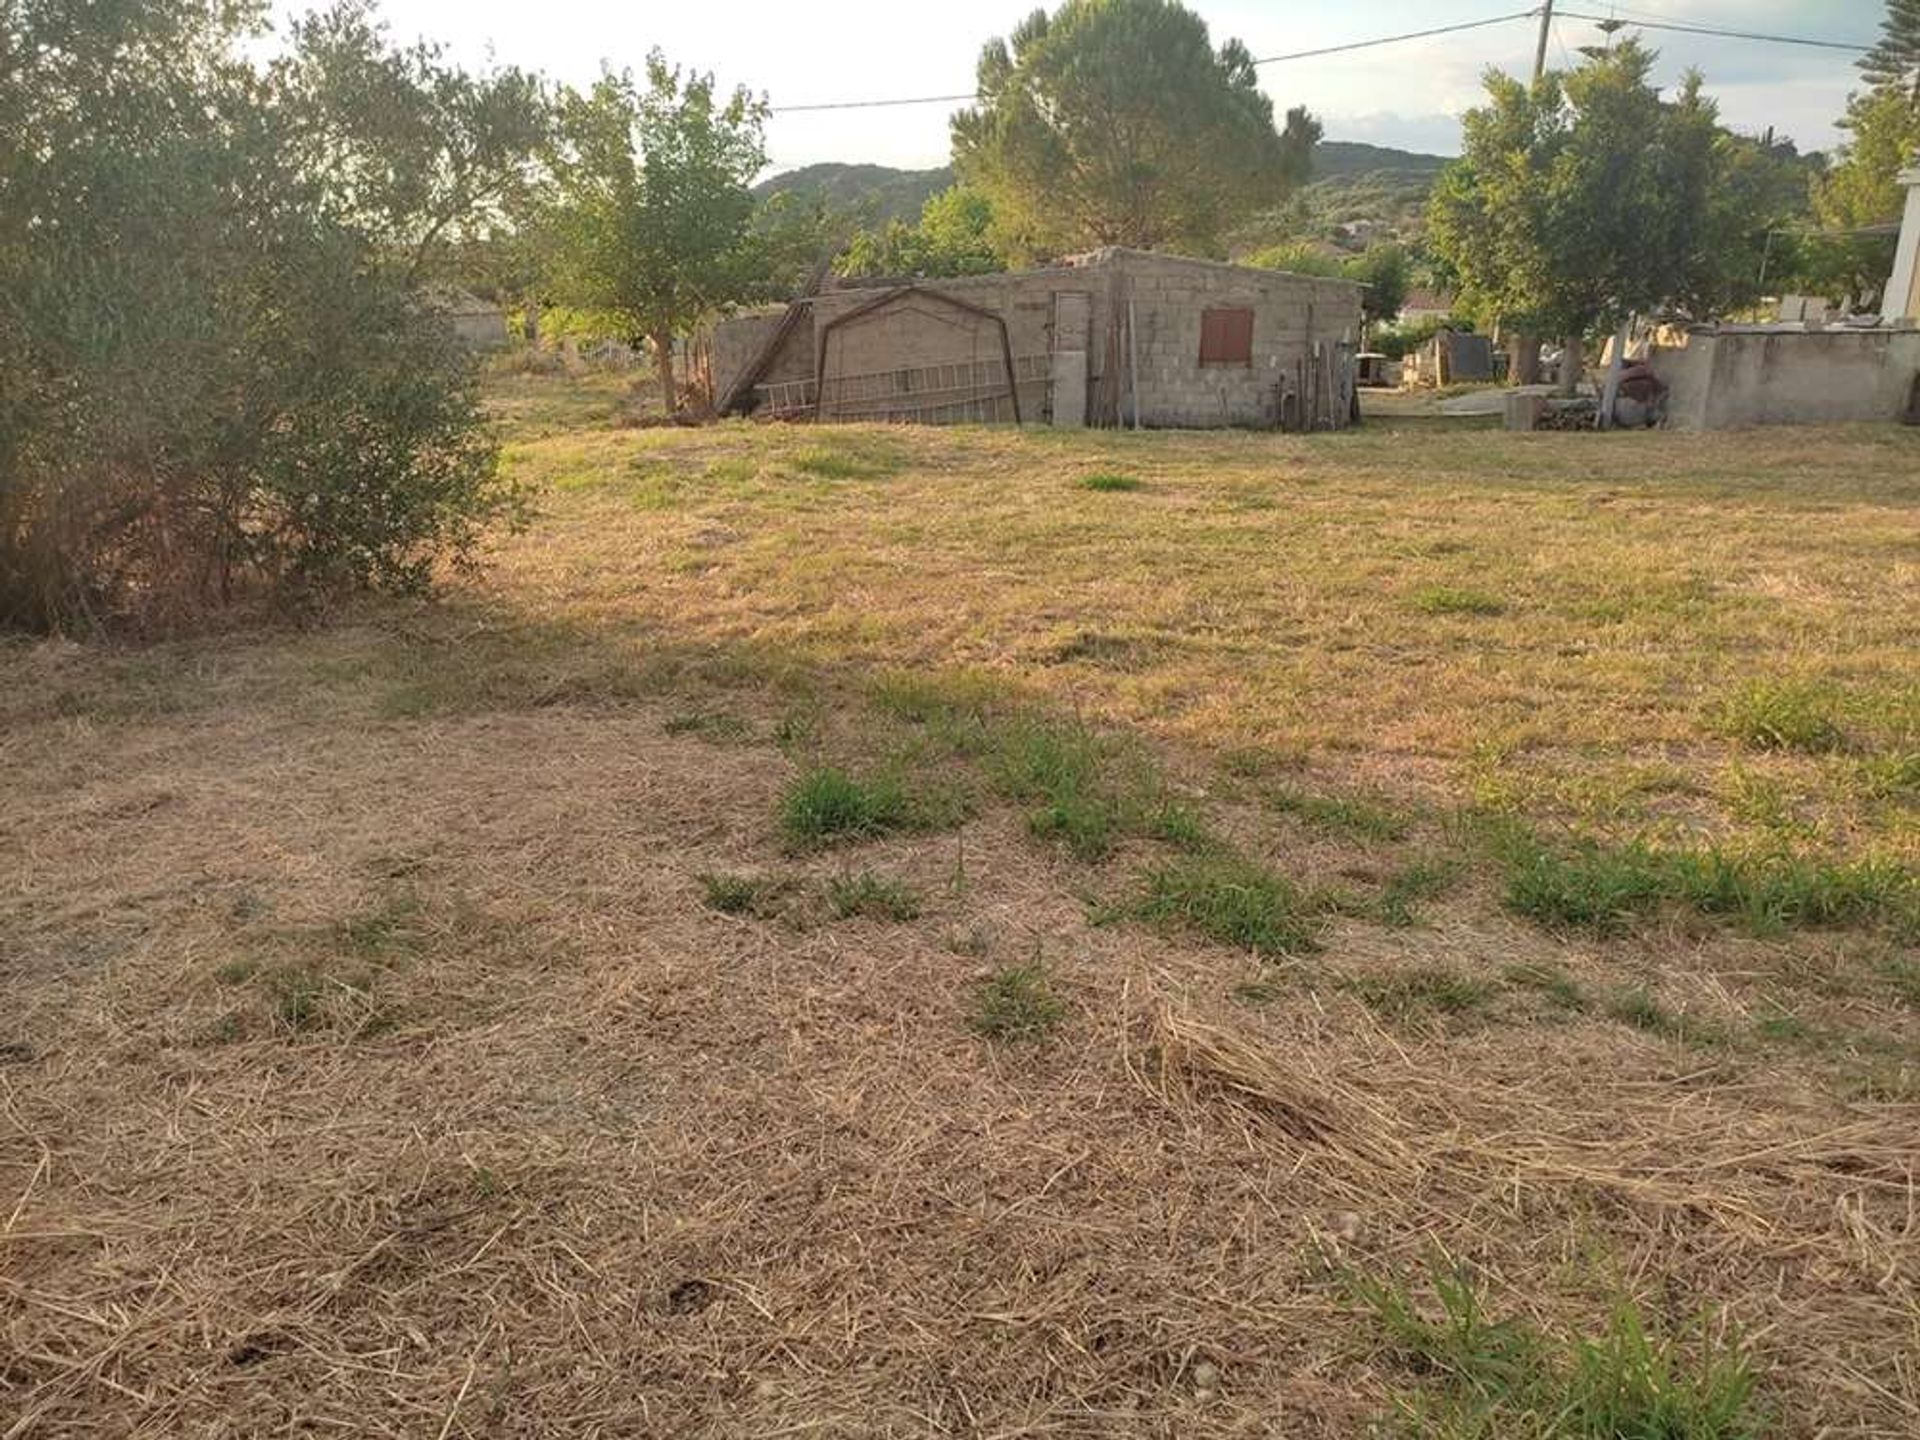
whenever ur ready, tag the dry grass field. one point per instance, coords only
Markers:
(893, 933)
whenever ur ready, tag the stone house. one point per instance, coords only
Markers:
(1111, 338)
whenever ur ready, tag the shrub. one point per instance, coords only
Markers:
(212, 379)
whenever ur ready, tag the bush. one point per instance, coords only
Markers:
(211, 379)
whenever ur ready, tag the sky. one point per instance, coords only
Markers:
(1408, 95)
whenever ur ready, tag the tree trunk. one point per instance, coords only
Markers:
(530, 322)
(1572, 364)
(663, 363)
(1523, 359)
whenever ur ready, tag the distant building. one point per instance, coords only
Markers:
(476, 323)
(1112, 338)
(1425, 305)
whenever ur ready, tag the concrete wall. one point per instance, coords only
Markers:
(1730, 378)
(737, 340)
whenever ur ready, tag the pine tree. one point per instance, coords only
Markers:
(1894, 61)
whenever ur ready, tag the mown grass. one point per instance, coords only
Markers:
(1476, 1377)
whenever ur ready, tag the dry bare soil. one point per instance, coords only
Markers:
(885, 933)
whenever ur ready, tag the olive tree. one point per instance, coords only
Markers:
(213, 382)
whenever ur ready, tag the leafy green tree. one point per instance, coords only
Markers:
(1579, 200)
(954, 236)
(1297, 257)
(1862, 187)
(414, 149)
(214, 381)
(656, 220)
(1386, 271)
(1116, 122)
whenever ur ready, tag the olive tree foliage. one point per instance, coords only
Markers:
(655, 218)
(1584, 198)
(213, 381)
(1116, 122)
(419, 153)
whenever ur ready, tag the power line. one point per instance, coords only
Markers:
(1715, 30)
(1677, 26)
(1262, 60)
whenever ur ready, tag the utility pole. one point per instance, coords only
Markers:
(1523, 365)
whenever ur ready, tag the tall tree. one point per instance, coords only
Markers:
(656, 220)
(1579, 200)
(413, 147)
(1894, 61)
(1116, 122)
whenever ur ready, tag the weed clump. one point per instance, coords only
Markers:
(1233, 900)
(825, 805)
(1110, 483)
(1783, 715)
(1016, 1003)
(1484, 1377)
(1422, 991)
(872, 896)
(1452, 600)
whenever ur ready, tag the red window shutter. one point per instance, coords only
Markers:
(1226, 337)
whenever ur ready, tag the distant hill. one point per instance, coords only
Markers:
(874, 193)
(1351, 181)
(1334, 159)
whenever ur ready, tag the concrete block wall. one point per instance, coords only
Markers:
(1731, 378)
(1169, 294)
(1290, 313)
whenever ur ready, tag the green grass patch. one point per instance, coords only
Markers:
(847, 460)
(1641, 1009)
(738, 894)
(1107, 482)
(1782, 715)
(1406, 887)
(1088, 794)
(1015, 1003)
(1348, 816)
(1182, 826)
(1421, 992)
(1550, 982)
(826, 805)
(1232, 900)
(1604, 888)
(1453, 600)
(1478, 1378)
(873, 897)
(718, 727)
